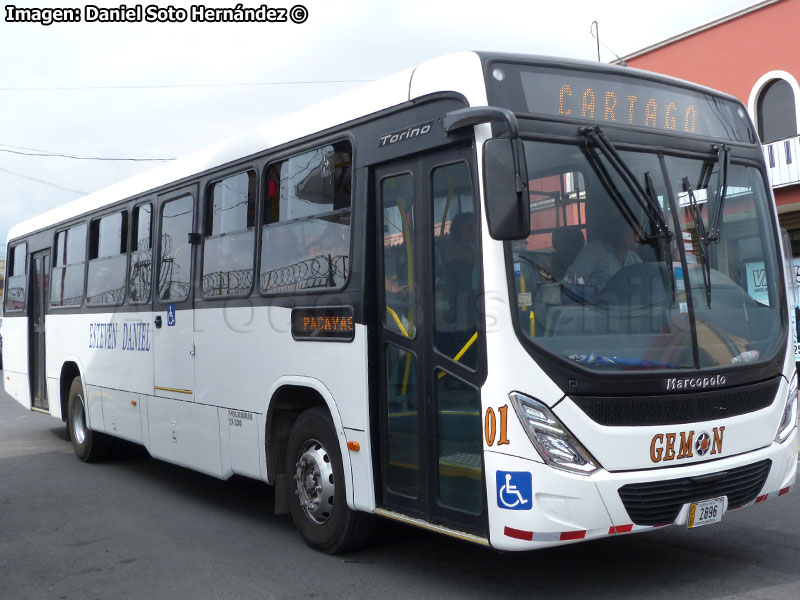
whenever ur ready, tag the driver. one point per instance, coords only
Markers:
(598, 260)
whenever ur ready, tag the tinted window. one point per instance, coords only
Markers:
(455, 263)
(15, 290)
(175, 266)
(397, 199)
(108, 242)
(306, 233)
(66, 284)
(230, 236)
(141, 268)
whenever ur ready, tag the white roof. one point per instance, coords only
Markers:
(455, 72)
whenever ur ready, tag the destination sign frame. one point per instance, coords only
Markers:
(323, 324)
(601, 97)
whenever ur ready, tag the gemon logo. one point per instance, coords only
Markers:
(690, 383)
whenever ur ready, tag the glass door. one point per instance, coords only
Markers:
(40, 279)
(430, 342)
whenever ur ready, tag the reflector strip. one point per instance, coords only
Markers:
(762, 498)
(620, 529)
(519, 534)
(783, 491)
(572, 535)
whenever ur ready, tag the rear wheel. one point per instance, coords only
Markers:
(88, 445)
(317, 500)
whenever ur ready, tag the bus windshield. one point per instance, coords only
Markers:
(615, 278)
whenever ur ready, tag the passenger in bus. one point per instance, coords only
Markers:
(601, 258)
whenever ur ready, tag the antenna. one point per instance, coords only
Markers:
(594, 30)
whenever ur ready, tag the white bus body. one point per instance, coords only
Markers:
(520, 436)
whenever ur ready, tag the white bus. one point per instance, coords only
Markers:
(517, 300)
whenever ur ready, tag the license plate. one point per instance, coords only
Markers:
(706, 512)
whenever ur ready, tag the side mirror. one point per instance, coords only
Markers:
(507, 208)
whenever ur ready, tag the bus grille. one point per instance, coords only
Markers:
(677, 409)
(659, 502)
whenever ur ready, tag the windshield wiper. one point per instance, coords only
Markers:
(715, 217)
(702, 237)
(648, 203)
(645, 198)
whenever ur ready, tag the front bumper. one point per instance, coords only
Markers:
(566, 508)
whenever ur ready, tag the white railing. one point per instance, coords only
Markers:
(783, 161)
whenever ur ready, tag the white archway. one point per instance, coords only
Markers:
(759, 86)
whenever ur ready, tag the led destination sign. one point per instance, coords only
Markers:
(332, 323)
(620, 100)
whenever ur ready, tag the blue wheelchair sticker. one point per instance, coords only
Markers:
(514, 490)
(170, 315)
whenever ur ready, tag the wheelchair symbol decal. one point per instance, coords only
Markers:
(514, 490)
(170, 315)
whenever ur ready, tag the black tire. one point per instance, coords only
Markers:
(89, 445)
(325, 522)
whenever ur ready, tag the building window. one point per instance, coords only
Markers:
(305, 240)
(17, 280)
(66, 284)
(228, 252)
(108, 249)
(776, 112)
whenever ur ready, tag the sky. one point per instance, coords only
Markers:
(162, 90)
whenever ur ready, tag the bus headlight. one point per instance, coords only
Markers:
(556, 445)
(789, 419)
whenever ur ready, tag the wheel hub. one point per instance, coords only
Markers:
(79, 420)
(314, 479)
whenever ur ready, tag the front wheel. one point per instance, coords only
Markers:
(88, 445)
(317, 500)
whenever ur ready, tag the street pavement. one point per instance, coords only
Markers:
(134, 527)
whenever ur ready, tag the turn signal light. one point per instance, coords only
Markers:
(353, 446)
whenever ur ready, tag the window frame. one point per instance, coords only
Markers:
(207, 201)
(133, 225)
(65, 228)
(11, 257)
(277, 160)
(126, 224)
(162, 202)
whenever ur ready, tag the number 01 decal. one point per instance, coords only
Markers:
(490, 426)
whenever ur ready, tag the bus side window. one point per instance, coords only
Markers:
(17, 278)
(230, 219)
(305, 240)
(108, 251)
(141, 267)
(175, 262)
(66, 284)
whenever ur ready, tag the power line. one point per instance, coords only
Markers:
(43, 182)
(48, 153)
(188, 85)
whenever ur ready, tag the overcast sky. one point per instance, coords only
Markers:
(171, 95)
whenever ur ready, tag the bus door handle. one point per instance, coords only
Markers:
(158, 322)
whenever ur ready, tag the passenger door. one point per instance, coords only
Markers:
(430, 341)
(39, 294)
(173, 298)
